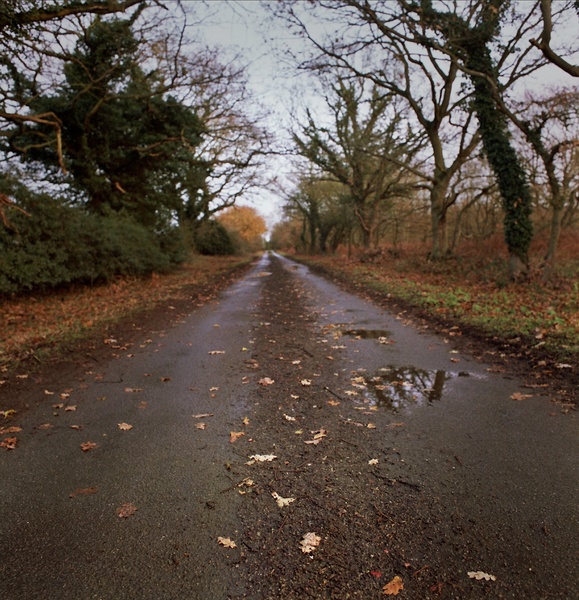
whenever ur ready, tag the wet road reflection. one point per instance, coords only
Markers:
(395, 387)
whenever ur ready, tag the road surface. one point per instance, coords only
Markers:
(408, 462)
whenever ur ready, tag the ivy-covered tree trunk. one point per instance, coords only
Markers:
(471, 44)
(511, 178)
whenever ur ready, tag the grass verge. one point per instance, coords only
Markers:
(541, 319)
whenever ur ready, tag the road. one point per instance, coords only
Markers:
(406, 457)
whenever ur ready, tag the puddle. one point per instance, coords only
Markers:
(382, 335)
(395, 388)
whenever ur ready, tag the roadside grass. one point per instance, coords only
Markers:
(473, 291)
(37, 325)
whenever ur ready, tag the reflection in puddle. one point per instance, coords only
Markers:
(395, 388)
(339, 330)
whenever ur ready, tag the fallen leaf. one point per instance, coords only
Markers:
(77, 427)
(306, 382)
(373, 461)
(58, 405)
(296, 362)
(235, 435)
(310, 542)
(376, 574)
(48, 393)
(13, 429)
(126, 510)
(201, 425)
(281, 502)
(519, 396)
(395, 425)
(202, 415)
(133, 390)
(288, 418)
(371, 426)
(43, 426)
(266, 381)
(124, 426)
(8, 413)
(216, 352)
(333, 403)
(213, 389)
(228, 543)
(86, 446)
(261, 458)
(165, 379)
(393, 587)
(70, 408)
(481, 575)
(9, 443)
(83, 492)
(246, 421)
(318, 436)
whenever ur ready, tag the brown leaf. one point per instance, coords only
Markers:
(70, 408)
(235, 435)
(83, 492)
(393, 587)
(202, 415)
(133, 390)
(9, 443)
(86, 446)
(201, 425)
(227, 542)
(13, 429)
(77, 427)
(519, 396)
(126, 510)
(266, 381)
(124, 426)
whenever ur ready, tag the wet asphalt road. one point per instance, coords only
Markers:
(511, 464)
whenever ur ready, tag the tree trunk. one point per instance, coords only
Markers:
(438, 212)
(554, 234)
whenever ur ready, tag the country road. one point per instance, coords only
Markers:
(409, 462)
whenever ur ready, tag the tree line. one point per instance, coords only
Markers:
(120, 141)
(422, 116)
(124, 144)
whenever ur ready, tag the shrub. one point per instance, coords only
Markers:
(59, 244)
(212, 239)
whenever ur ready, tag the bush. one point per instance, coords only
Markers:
(59, 244)
(212, 239)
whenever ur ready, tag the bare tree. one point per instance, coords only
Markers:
(544, 41)
(368, 147)
(377, 41)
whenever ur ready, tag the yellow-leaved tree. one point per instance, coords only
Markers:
(245, 226)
